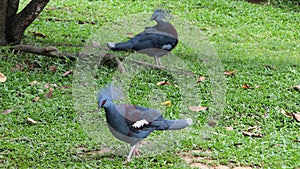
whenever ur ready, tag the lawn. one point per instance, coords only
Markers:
(249, 55)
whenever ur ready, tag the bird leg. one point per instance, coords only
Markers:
(134, 150)
(157, 61)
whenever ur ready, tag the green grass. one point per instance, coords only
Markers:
(259, 42)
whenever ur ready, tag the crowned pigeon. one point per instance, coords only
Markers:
(155, 41)
(130, 123)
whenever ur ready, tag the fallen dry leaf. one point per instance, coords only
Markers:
(270, 67)
(197, 108)
(32, 66)
(38, 34)
(7, 111)
(31, 121)
(229, 128)
(252, 128)
(67, 73)
(166, 103)
(246, 133)
(19, 66)
(54, 85)
(282, 111)
(53, 68)
(200, 79)
(47, 85)
(229, 73)
(33, 83)
(162, 83)
(246, 86)
(36, 99)
(65, 87)
(49, 94)
(3, 78)
(130, 35)
(297, 87)
(296, 116)
(242, 167)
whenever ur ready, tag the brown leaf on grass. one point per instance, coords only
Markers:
(47, 85)
(200, 79)
(246, 133)
(65, 87)
(3, 78)
(32, 66)
(287, 114)
(33, 83)
(297, 87)
(197, 108)
(130, 35)
(54, 85)
(36, 99)
(19, 66)
(49, 94)
(246, 86)
(296, 116)
(253, 128)
(270, 67)
(67, 73)
(162, 83)
(38, 34)
(53, 68)
(229, 72)
(229, 128)
(31, 121)
(7, 111)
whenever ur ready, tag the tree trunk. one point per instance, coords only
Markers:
(13, 24)
(3, 6)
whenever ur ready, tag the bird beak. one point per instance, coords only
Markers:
(153, 17)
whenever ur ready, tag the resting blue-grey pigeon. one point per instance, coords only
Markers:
(130, 123)
(155, 41)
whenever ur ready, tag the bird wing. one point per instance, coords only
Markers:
(140, 118)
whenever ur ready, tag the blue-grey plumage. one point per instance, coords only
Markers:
(131, 124)
(155, 41)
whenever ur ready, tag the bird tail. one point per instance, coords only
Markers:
(178, 124)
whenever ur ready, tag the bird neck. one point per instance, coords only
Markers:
(167, 28)
(111, 111)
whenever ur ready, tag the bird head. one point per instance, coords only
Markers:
(158, 15)
(107, 94)
(104, 101)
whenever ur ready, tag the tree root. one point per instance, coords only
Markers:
(47, 51)
(109, 60)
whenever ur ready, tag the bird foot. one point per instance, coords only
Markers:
(111, 45)
(126, 161)
(135, 152)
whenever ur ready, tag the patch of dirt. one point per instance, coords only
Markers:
(83, 152)
(199, 159)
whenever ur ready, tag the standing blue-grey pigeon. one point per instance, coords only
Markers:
(130, 123)
(155, 41)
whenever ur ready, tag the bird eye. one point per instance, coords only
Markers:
(103, 102)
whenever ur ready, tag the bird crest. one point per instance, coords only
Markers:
(111, 92)
(165, 15)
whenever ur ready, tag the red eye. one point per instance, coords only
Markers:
(103, 102)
